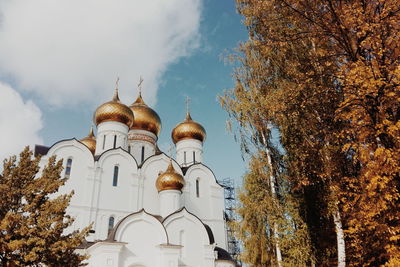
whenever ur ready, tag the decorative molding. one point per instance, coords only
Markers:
(141, 137)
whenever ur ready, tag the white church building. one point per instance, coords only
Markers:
(147, 209)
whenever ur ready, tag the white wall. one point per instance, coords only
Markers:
(107, 130)
(186, 230)
(209, 206)
(116, 200)
(80, 178)
(142, 234)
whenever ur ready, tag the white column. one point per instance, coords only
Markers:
(189, 151)
(170, 201)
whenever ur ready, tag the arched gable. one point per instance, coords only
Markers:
(119, 152)
(199, 169)
(149, 162)
(78, 163)
(118, 181)
(119, 233)
(181, 218)
(70, 146)
(142, 233)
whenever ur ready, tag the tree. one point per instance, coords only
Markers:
(267, 225)
(326, 75)
(272, 89)
(32, 218)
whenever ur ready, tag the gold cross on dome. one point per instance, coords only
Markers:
(117, 83)
(140, 85)
(187, 104)
(170, 149)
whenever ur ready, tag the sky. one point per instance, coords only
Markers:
(59, 60)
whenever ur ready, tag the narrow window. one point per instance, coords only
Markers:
(142, 153)
(115, 141)
(104, 141)
(68, 168)
(194, 157)
(129, 149)
(115, 178)
(110, 224)
(197, 188)
(184, 157)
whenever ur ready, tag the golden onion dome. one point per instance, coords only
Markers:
(145, 118)
(113, 110)
(90, 141)
(188, 129)
(170, 180)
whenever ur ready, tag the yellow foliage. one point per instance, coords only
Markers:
(327, 75)
(31, 222)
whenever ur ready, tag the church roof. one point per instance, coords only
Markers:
(222, 254)
(210, 233)
(86, 244)
(41, 150)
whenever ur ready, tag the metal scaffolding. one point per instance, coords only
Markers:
(231, 216)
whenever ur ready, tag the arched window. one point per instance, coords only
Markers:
(194, 157)
(142, 153)
(68, 168)
(110, 224)
(198, 187)
(104, 141)
(115, 141)
(115, 177)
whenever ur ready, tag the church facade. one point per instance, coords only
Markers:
(147, 209)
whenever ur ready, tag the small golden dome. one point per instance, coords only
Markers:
(170, 180)
(90, 141)
(145, 118)
(113, 110)
(188, 129)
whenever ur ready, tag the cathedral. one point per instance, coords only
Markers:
(147, 208)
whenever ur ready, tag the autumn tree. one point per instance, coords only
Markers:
(270, 221)
(326, 74)
(271, 90)
(32, 219)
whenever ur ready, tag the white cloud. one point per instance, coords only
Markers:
(71, 51)
(20, 122)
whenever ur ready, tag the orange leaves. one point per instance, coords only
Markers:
(327, 74)
(31, 222)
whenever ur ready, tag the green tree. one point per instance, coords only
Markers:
(270, 220)
(32, 218)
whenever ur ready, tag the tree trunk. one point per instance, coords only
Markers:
(341, 249)
(273, 192)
